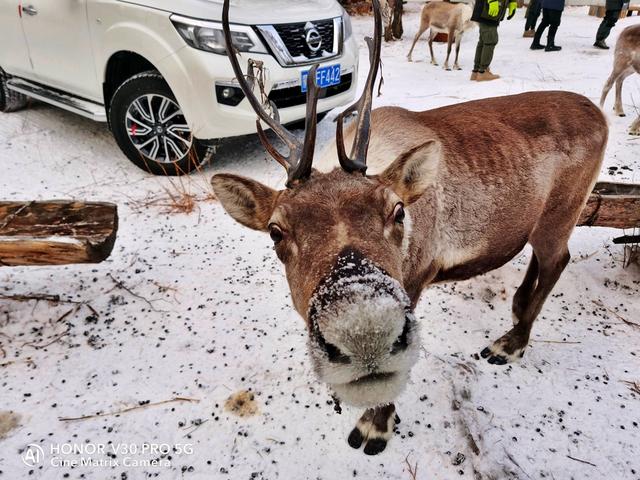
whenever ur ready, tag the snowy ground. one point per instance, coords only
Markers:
(217, 319)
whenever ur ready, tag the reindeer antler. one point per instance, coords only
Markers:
(357, 162)
(300, 159)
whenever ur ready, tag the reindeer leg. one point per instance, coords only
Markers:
(449, 43)
(523, 295)
(375, 428)
(432, 35)
(456, 65)
(415, 40)
(511, 345)
(607, 86)
(617, 107)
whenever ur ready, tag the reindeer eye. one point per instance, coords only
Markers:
(398, 214)
(275, 233)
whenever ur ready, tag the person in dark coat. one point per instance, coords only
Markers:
(551, 15)
(489, 14)
(533, 12)
(613, 7)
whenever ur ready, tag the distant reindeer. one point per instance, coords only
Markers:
(422, 197)
(444, 17)
(626, 61)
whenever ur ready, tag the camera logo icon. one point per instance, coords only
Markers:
(33, 455)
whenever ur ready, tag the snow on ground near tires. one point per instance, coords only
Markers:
(195, 306)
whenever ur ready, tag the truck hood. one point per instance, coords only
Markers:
(249, 12)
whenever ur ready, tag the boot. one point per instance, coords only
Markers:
(551, 40)
(529, 33)
(601, 44)
(535, 45)
(486, 76)
(474, 75)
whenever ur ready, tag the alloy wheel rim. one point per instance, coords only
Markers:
(158, 129)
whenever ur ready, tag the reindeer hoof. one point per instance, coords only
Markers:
(374, 429)
(448, 69)
(375, 446)
(355, 438)
(493, 358)
(376, 441)
(504, 350)
(457, 67)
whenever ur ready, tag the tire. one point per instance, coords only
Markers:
(151, 130)
(10, 101)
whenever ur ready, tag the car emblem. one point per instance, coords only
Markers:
(313, 39)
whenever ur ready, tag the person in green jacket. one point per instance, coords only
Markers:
(489, 14)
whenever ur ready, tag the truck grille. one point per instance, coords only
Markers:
(292, 96)
(293, 36)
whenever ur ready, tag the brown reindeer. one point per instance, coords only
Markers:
(626, 61)
(444, 17)
(422, 197)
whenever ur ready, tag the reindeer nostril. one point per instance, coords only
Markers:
(334, 353)
(402, 342)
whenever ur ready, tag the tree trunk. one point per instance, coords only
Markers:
(56, 232)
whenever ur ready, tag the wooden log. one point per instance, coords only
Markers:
(615, 205)
(56, 232)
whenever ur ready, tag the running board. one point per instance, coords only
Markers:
(87, 109)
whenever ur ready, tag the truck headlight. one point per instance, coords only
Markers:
(208, 36)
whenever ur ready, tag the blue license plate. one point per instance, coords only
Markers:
(325, 77)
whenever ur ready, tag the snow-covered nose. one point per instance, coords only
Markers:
(360, 314)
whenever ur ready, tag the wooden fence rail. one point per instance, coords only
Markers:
(56, 232)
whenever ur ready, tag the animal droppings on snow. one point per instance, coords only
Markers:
(242, 404)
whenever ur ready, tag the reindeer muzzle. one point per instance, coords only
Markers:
(363, 338)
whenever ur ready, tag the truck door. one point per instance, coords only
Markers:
(59, 42)
(14, 55)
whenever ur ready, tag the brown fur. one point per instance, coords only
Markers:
(479, 180)
(626, 61)
(450, 18)
(506, 176)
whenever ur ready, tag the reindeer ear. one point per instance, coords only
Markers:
(247, 201)
(413, 171)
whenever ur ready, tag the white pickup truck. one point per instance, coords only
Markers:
(157, 71)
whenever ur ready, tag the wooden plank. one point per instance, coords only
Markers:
(615, 205)
(56, 232)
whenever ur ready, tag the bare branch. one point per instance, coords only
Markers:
(129, 409)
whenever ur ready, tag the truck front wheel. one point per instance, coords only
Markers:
(151, 129)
